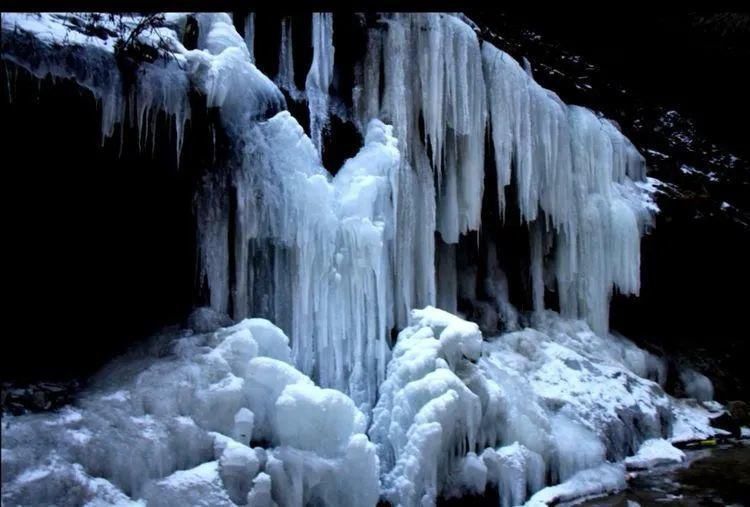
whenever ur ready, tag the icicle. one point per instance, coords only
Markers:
(527, 67)
(450, 97)
(250, 35)
(536, 267)
(576, 169)
(320, 75)
(370, 107)
(212, 212)
(285, 77)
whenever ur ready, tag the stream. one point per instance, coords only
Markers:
(715, 476)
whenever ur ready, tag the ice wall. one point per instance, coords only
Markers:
(339, 262)
(580, 183)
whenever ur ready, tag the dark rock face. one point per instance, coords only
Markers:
(740, 412)
(102, 246)
(19, 399)
(206, 320)
(727, 423)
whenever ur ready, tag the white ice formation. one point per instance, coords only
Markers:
(214, 419)
(245, 415)
(529, 405)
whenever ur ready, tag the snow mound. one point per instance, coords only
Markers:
(205, 419)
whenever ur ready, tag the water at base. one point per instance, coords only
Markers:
(716, 476)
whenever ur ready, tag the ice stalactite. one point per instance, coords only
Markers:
(575, 174)
(432, 69)
(321, 73)
(212, 230)
(250, 35)
(285, 77)
(559, 156)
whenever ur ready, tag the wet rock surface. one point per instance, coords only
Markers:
(20, 399)
(714, 476)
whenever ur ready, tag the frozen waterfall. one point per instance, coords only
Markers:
(342, 259)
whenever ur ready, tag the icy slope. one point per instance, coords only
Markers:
(207, 419)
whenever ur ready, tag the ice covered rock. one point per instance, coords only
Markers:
(318, 420)
(207, 320)
(56, 482)
(532, 405)
(654, 452)
(244, 420)
(691, 421)
(238, 466)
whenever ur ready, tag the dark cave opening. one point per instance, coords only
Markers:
(103, 248)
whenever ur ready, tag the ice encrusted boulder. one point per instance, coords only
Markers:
(457, 414)
(654, 452)
(220, 418)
